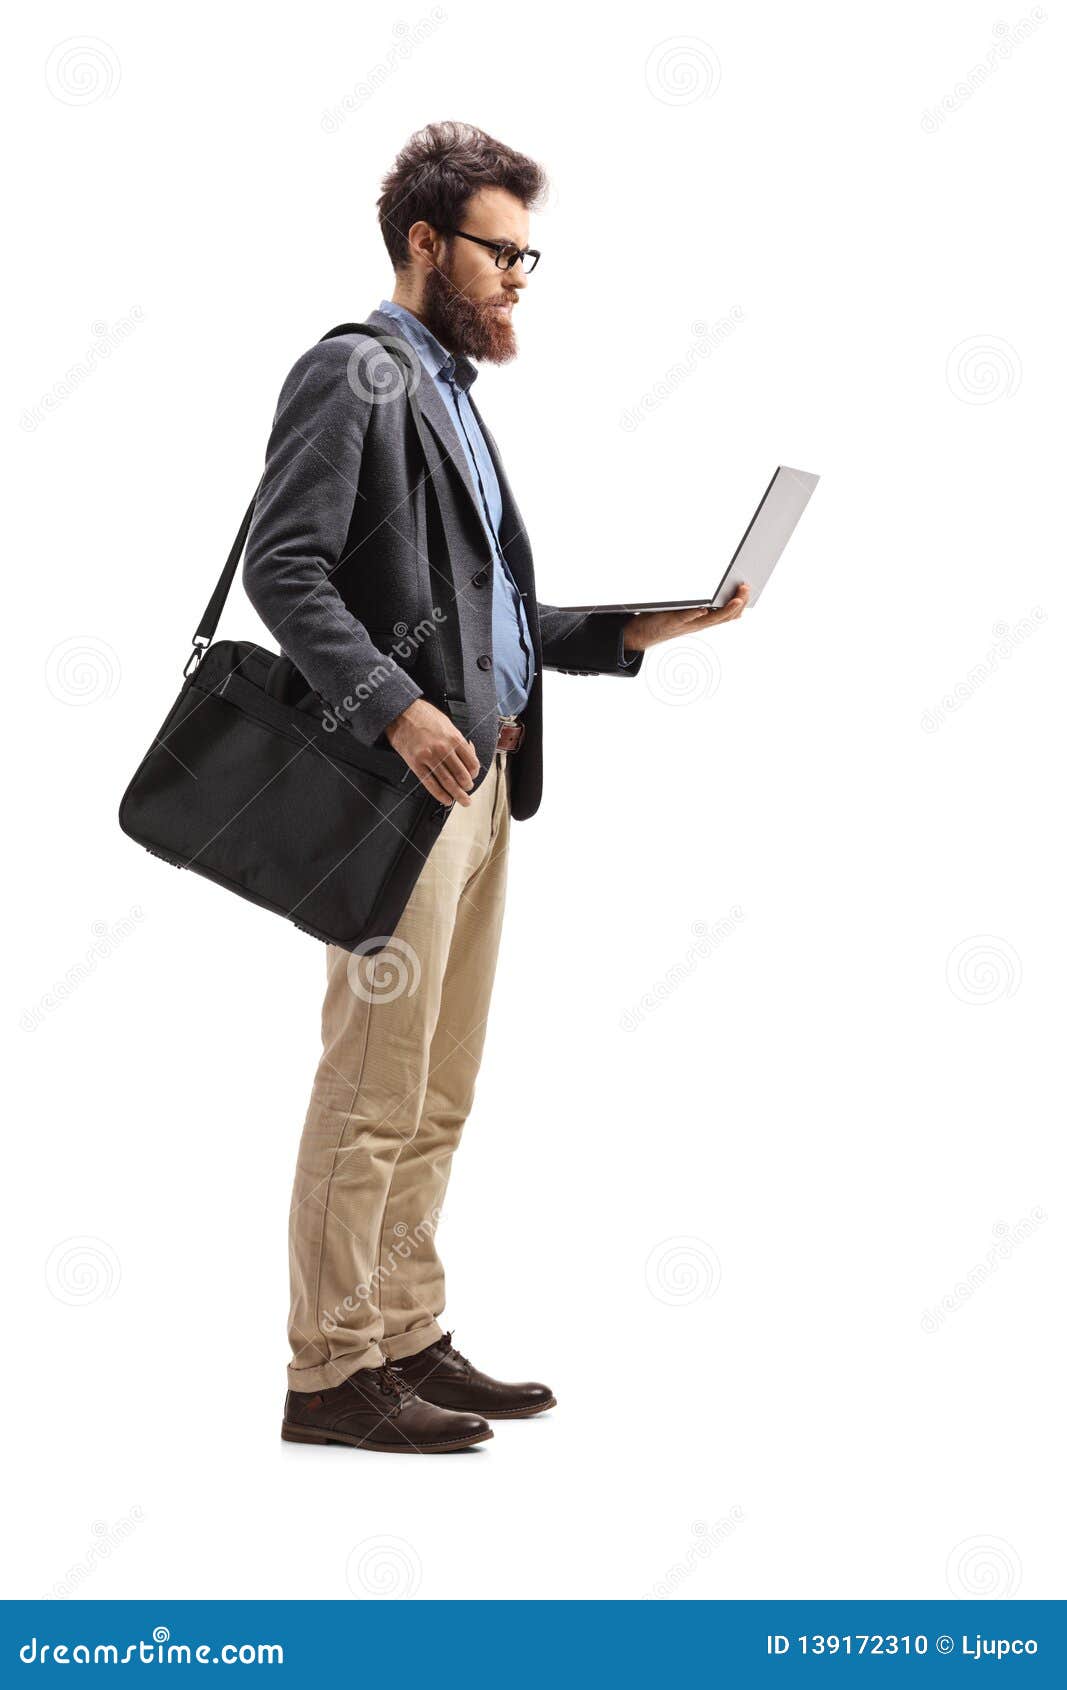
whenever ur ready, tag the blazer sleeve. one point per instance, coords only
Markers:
(297, 539)
(580, 643)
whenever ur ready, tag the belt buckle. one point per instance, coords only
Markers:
(511, 731)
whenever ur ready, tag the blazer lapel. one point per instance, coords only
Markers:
(435, 412)
(514, 541)
(512, 527)
(513, 538)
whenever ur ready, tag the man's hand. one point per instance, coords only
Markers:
(652, 627)
(433, 747)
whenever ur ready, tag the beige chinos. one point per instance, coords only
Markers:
(402, 1036)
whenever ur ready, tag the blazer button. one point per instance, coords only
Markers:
(485, 662)
(480, 579)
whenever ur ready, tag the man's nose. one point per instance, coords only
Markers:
(517, 278)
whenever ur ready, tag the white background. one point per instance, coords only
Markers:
(723, 1227)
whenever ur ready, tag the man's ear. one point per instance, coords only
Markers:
(425, 245)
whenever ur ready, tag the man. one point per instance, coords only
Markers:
(344, 547)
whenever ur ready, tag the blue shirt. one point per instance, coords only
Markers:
(512, 645)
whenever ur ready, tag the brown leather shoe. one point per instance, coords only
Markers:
(376, 1410)
(443, 1376)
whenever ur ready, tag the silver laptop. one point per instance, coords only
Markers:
(762, 544)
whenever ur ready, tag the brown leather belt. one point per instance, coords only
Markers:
(511, 734)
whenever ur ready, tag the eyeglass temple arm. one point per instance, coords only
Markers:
(498, 247)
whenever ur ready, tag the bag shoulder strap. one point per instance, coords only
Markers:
(209, 621)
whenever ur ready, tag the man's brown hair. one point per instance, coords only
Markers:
(437, 172)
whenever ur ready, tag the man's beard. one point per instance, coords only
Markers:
(478, 330)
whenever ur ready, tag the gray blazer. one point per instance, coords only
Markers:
(337, 557)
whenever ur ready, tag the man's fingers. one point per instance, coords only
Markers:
(435, 789)
(453, 771)
(459, 761)
(712, 618)
(447, 767)
(439, 779)
(466, 750)
(451, 775)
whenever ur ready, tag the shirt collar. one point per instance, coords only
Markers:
(442, 365)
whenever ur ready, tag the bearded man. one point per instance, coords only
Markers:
(350, 558)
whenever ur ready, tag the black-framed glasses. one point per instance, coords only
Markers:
(507, 253)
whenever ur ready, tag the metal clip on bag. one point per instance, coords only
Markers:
(245, 785)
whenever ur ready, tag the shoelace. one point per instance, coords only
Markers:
(456, 1355)
(394, 1386)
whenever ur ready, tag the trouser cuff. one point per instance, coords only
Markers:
(411, 1343)
(324, 1378)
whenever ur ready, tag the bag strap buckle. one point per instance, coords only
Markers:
(192, 662)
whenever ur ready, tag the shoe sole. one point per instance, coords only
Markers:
(294, 1434)
(517, 1413)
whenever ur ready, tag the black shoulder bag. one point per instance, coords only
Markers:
(247, 784)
